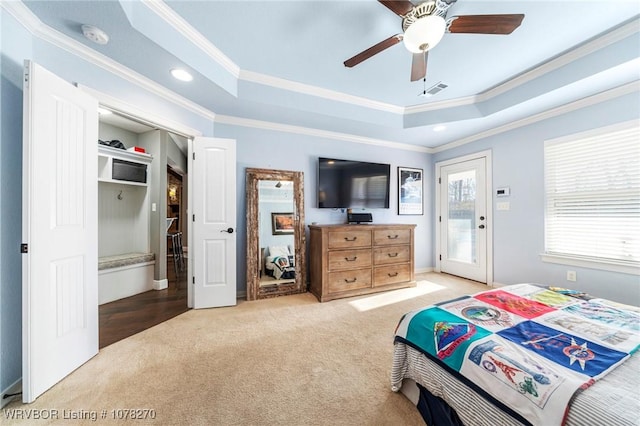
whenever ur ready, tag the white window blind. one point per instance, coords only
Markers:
(592, 185)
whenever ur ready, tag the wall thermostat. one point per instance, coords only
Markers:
(503, 192)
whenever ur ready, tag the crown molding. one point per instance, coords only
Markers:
(45, 33)
(448, 103)
(306, 89)
(34, 25)
(167, 14)
(585, 49)
(324, 134)
(606, 95)
(195, 37)
(563, 59)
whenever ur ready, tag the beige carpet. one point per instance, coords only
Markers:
(282, 361)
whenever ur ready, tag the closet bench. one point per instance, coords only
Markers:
(124, 275)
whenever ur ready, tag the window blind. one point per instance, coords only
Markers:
(592, 186)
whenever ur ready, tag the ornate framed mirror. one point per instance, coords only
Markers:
(276, 248)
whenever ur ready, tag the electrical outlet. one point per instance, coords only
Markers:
(504, 205)
(571, 276)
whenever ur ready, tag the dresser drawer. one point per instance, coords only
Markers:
(349, 259)
(391, 254)
(346, 239)
(383, 275)
(391, 236)
(349, 280)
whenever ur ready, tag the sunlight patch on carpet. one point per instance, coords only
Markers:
(395, 296)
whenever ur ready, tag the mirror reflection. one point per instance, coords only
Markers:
(276, 232)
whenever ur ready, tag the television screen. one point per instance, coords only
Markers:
(352, 184)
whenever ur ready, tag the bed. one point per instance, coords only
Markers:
(279, 262)
(521, 354)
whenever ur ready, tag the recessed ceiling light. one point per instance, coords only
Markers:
(181, 74)
(95, 34)
(439, 128)
(103, 111)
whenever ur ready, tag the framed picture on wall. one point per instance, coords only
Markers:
(410, 185)
(282, 223)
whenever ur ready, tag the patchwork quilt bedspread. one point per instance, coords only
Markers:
(527, 347)
(281, 267)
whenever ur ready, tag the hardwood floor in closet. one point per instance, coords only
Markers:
(126, 317)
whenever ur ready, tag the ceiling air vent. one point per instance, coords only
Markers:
(438, 87)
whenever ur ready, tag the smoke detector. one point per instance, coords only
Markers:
(95, 34)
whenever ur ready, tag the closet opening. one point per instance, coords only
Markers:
(142, 234)
(177, 252)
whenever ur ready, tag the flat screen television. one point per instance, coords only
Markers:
(352, 184)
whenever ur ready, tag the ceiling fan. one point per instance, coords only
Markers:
(424, 25)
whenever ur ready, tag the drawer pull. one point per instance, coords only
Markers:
(350, 281)
(350, 259)
(392, 237)
(395, 274)
(350, 239)
(392, 254)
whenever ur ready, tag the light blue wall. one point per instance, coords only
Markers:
(15, 44)
(285, 151)
(518, 234)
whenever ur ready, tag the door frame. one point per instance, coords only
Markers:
(148, 116)
(489, 203)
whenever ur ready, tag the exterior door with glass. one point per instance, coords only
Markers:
(462, 219)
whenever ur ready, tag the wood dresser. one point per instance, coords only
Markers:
(351, 260)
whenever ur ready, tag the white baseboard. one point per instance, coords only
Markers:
(160, 284)
(14, 388)
(423, 270)
(241, 295)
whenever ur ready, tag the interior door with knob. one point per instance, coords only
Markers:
(60, 230)
(214, 221)
(463, 219)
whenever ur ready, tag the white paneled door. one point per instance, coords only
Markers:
(60, 230)
(462, 219)
(214, 222)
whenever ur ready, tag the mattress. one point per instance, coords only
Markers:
(612, 400)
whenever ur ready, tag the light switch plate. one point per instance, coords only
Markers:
(505, 205)
(503, 192)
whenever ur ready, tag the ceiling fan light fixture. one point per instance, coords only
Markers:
(424, 34)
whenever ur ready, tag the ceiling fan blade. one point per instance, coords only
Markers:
(485, 24)
(419, 66)
(399, 7)
(376, 48)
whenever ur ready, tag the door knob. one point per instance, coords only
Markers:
(229, 230)
(481, 217)
(481, 226)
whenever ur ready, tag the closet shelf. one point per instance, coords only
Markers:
(122, 167)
